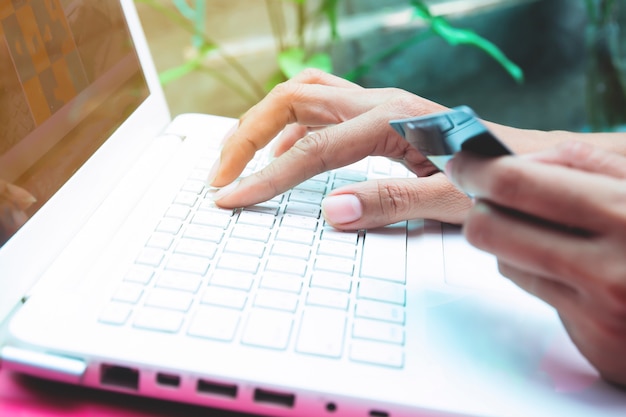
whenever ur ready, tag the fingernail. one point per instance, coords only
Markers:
(224, 191)
(213, 172)
(342, 209)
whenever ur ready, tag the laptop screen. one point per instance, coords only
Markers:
(69, 76)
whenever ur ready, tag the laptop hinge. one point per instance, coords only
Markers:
(43, 365)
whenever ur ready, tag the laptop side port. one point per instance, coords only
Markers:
(216, 388)
(119, 376)
(276, 398)
(168, 380)
(378, 413)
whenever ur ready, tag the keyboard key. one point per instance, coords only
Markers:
(328, 298)
(384, 253)
(283, 282)
(334, 264)
(169, 299)
(380, 311)
(188, 263)
(287, 265)
(268, 328)
(194, 186)
(376, 353)
(178, 211)
(333, 234)
(256, 218)
(312, 185)
(300, 222)
(378, 330)
(381, 291)
(211, 218)
(168, 321)
(179, 281)
(304, 209)
(202, 248)
(238, 262)
(139, 274)
(224, 297)
(268, 207)
(245, 231)
(303, 196)
(160, 241)
(325, 279)
(278, 300)
(293, 250)
(169, 225)
(244, 246)
(115, 313)
(211, 234)
(301, 236)
(128, 293)
(322, 332)
(150, 256)
(186, 198)
(214, 323)
(232, 279)
(330, 247)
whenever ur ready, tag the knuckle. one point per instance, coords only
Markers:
(314, 147)
(394, 200)
(311, 75)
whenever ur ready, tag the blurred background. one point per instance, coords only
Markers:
(544, 64)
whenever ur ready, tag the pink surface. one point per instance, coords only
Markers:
(22, 396)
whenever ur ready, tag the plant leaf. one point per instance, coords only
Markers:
(456, 36)
(294, 60)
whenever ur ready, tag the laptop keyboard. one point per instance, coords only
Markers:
(271, 276)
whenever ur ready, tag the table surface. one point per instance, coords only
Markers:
(26, 396)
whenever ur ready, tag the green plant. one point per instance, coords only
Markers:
(297, 46)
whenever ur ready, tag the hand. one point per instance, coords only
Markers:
(13, 203)
(556, 221)
(345, 123)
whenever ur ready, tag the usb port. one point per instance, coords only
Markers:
(273, 397)
(216, 388)
(168, 380)
(119, 376)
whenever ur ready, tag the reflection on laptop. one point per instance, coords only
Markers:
(141, 285)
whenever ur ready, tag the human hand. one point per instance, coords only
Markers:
(556, 221)
(13, 203)
(345, 123)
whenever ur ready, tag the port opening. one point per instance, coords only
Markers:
(378, 413)
(216, 388)
(276, 398)
(119, 376)
(168, 380)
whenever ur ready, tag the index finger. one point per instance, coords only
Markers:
(313, 98)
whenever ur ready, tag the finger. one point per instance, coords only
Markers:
(533, 246)
(367, 134)
(288, 137)
(559, 295)
(313, 98)
(377, 203)
(554, 193)
(320, 151)
(584, 157)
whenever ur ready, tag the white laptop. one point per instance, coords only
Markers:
(126, 277)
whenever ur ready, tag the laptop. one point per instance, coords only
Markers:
(125, 276)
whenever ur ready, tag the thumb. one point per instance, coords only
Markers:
(380, 202)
